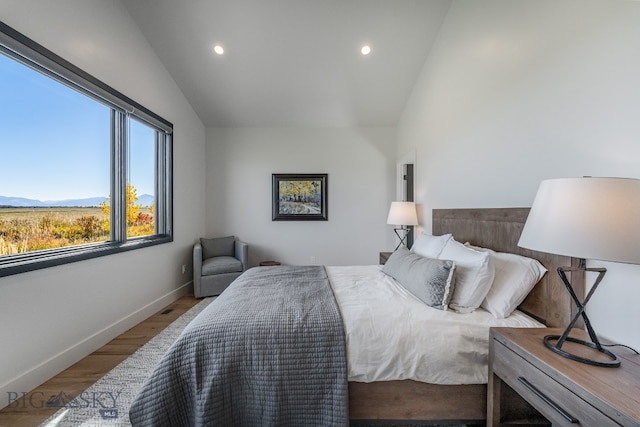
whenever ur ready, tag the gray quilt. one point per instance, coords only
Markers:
(269, 351)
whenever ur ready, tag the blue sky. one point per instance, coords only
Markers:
(55, 142)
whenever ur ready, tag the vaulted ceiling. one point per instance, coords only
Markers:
(292, 63)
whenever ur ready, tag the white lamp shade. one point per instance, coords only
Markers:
(590, 218)
(402, 213)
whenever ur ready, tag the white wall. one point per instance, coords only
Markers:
(361, 184)
(51, 318)
(515, 92)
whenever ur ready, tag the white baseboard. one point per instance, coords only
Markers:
(31, 379)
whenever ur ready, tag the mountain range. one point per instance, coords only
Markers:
(21, 202)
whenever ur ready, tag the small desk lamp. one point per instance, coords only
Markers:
(586, 218)
(402, 213)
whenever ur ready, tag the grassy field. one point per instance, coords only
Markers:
(30, 229)
(37, 213)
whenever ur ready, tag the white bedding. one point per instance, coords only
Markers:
(392, 335)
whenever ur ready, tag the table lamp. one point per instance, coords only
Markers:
(585, 218)
(402, 214)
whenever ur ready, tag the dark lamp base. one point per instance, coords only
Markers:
(580, 312)
(402, 234)
(613, 363)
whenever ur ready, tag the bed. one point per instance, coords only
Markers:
(322, 382)
(549, 303)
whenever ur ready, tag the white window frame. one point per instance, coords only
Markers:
(28, 52)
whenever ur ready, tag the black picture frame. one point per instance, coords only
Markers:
(299, 197)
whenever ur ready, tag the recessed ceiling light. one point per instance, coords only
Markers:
(218, 49)
(366, 49)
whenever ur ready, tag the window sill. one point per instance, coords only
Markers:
(22, 263)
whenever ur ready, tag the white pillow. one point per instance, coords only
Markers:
(515, 276)
(474, 275)
(430, 246)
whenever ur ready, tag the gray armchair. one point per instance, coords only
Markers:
(216, 263)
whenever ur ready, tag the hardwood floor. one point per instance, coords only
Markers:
(29, 410)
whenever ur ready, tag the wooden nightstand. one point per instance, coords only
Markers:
(562, 390)
(269, 263)
(384, 256)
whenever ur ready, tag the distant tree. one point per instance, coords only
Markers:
(133, 209)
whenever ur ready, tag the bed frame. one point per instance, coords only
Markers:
(548, 302)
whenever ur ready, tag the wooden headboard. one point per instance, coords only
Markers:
(499, 229)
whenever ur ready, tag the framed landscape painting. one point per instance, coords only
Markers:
(299, 197)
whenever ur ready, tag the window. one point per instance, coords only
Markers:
(86, 171)
(141, 180)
